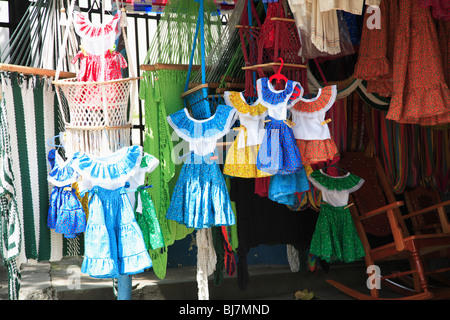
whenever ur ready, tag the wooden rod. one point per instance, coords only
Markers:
(282, 19)
(271, 64)
(83, 83)
(184, 94)
(35, 71)
(250, 27)
(211, 85)
(166, 66)
(99, 127)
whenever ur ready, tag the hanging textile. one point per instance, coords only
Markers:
(33, 118)
(207, 260)
(10, 230)
(394, 61)
(161, 87)
(161, 94)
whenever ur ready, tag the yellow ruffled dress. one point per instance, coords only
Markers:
(242, 154)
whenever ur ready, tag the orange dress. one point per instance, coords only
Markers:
(311, 130)
(402, 60)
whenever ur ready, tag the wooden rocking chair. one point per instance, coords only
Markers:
(376, 214)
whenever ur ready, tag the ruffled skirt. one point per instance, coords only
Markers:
(279, 153)
(284, 189)
(335, 237)
(200, 198)
(65, 213)
(114, 242)
(241, 162)
(315, 151)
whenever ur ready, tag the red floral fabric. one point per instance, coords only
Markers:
(91, 66)
(440, 9)
(403, 60)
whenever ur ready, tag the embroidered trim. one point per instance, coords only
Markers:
(237, 100)
(348, 182)
(113, 168)
(61, 172)
(320, 104)
(272, 97)
(213, 128)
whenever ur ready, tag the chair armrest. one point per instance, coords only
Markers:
(426, 210)
(381, 210)
(441, 213)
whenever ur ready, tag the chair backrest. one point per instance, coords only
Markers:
(420, 198)
(374, 193)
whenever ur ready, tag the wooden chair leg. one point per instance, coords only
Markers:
(415, 276)
(418, 267)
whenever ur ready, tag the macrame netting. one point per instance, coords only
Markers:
(279, 39)
(206, 261)
(97, 115)
(225, 59)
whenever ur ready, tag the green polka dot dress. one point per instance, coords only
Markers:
(335, 237)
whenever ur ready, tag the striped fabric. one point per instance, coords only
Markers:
(32, 114)
(10, 235)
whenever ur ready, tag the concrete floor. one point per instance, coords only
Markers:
(63, 280)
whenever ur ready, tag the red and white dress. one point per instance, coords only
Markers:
(91, 66)
(98, 49)
(311, 131)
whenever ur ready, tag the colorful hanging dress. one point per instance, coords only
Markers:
(279, 154)
(65, 213)
(401, 59)
(200, 198)
(98, 49)
(335, 237)
(114, 243)
(241, 156)
(145, 214)
(311, 130)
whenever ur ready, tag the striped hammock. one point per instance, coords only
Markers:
(32, 115)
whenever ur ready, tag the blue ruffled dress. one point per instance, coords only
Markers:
(279, 153)
(65, 212)
(114, 244)
(200, 198)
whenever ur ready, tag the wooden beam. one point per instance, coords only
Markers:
(211, 85)
(250, 27)
(282, 19)
(199, 87)
(166, 66)
(35, 71)
(268, 66)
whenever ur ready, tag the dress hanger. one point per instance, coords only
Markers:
(278, 76)
(51, 142)
(335, 166)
